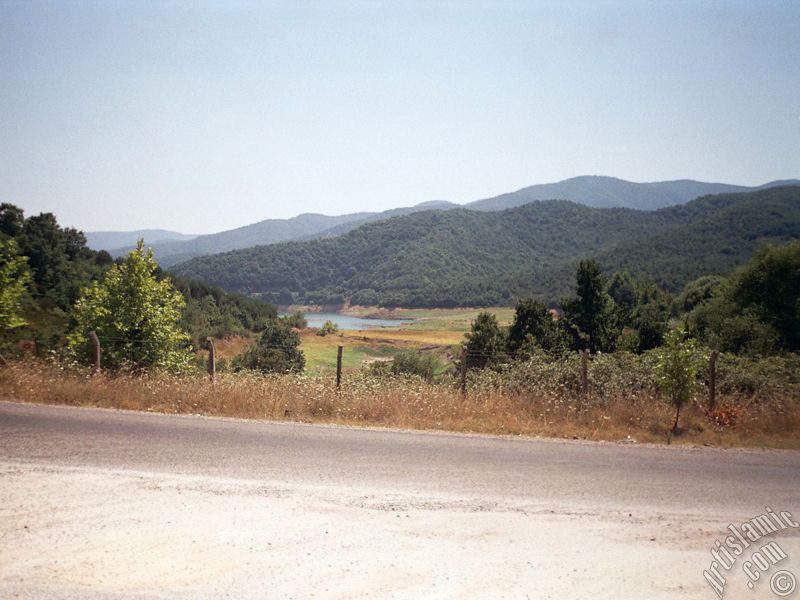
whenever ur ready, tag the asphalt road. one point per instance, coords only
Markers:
(612, 497)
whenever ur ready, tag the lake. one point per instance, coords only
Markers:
(347, 322)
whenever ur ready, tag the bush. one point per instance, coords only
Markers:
(411, 362)
(296, 320)
(328, 328)
(277, 351)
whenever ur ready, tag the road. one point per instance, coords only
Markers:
(109, 504)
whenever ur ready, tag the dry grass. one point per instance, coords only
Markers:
(406, 337)
(406, 403)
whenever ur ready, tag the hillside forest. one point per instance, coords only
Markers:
(468, 258)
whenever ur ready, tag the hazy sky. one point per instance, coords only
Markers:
(200, 117)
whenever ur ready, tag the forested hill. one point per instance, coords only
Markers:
(270, 231)
(468, 258)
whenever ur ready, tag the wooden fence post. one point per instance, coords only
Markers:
(463, 372)
(212, 360)
(585, 372)
(712, 380)
(96, 342)
(339, 366)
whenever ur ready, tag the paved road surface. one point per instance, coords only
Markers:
(97, 503)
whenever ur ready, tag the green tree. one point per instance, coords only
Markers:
(12, 220)
(276, 351)
(534, 327)
(14, 280)
(698, 292)
(486, 341)
(677, 366)
(757, 309)
(650, 322)
(135, 315)
(769, 286)
(591, 316)
(623, 289)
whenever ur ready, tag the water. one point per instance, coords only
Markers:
(347, 322)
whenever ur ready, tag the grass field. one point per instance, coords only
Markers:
(435, 319)
(433, 330)
(320, 352)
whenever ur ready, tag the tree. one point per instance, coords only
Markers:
(14, 280)
(276, 351)
(757, 309)
(676, 370)
(591, 315)
(534, 327)
(769, 286)
(485, 341)
(623, 290)
(43, 242)
(135, 315)
(12, 219)
(650, 322)
(698, 292)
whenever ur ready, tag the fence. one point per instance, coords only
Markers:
(466, 357)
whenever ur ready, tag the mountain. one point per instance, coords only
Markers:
(590, 191)
(464, 257)
(271, 231)
(109, 240)
(605, 192)
(381, 216)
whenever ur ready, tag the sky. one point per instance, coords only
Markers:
(204, 116)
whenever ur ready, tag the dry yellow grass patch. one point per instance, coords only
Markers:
(407, 337)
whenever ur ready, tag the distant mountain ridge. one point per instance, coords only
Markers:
(272, 231)
(481, 258)
(606, 192)
(108, 240)
(592, 191)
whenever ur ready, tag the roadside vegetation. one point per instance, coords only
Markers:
(758, 399)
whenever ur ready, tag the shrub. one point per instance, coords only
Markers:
(296, 320)
(329, 327)
(411, 362)
(277, 351)
(676, 371)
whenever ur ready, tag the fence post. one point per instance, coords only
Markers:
(339, 366)
(212, 360)
(463, 371)
(96, 342)
(712, 380)
(585, 371)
